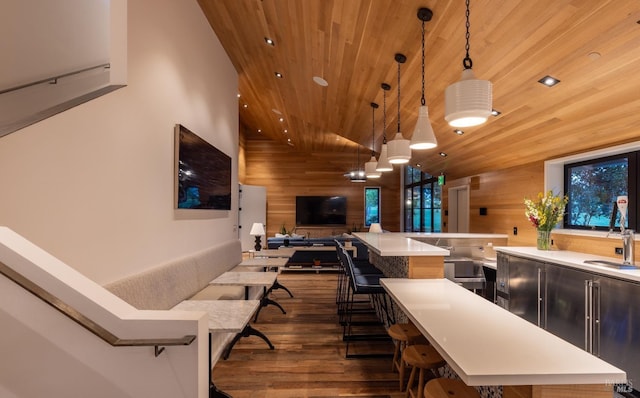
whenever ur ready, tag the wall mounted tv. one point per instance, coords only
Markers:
(321, 210)
(202, 173)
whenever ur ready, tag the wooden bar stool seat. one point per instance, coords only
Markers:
(421, 358)
(403, 334)
(448, 388)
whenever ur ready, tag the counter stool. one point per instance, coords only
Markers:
(402, 334)
(447, 388)
(421, 358)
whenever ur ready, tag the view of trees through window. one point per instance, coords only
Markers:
(593, 187)
(371, 205)
(423, 202)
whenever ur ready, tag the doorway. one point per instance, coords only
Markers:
(459, 209)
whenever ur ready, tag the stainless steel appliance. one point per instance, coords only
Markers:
(465, 272)
(521, 287)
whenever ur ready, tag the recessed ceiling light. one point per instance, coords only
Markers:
(444, 155)
(549, 81)
(281, 119)
(279, 75)
(418, 165)
(285, 131)
(594, 55)
(238, 95)
(458, 131)
(320, 81)
(269, 41)
(495, 112)
(259, 131)
(245, 106)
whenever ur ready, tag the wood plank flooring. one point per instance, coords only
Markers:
(309, 359)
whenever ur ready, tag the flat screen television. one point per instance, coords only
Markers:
(321, 210)
(202, 173)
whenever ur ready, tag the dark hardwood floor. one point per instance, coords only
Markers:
(309, 358)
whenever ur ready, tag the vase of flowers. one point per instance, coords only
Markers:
(544, 213)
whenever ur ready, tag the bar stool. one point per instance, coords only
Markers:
(402, 334)
(421, 357)
(447, 388)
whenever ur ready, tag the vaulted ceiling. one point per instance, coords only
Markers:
(591, 46)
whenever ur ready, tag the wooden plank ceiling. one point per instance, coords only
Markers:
(592, 46)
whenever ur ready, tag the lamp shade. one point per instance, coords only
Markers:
(468, 101)
(358, 176)
(375, 228)
(370, 168)
(257, 229)
(399, 150)
(383, 163)
(423, 136)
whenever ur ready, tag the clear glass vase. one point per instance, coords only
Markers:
(544, 240)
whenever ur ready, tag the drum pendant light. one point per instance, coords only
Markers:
(468, 102)
(399, 150)
(423, 136)
(383, 161)
(372, 164)
(358, 175)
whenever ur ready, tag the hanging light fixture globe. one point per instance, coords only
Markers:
(423, 136)
(371, 166)
(399, 147)
(383, 161)
(468, 102)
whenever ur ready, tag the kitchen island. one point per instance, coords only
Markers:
(487, 345)
(421, 254)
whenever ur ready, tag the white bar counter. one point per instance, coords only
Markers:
(574, 260)
(487, 345)
(399, 244)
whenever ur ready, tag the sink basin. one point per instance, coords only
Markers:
(611, 264)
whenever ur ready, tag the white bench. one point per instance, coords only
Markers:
(163, 287)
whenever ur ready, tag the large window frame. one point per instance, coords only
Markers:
(593, 186)
(423, 201)
(372, 206)
(554, 179)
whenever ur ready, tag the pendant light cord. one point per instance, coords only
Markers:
(466, 62)
(422, 100)
(373, 130)
(399, 97)
(384, 116)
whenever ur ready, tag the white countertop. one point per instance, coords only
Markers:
(224, 315)
(250, 278)
(573, 260)
(398, 244)
(264, 262)
(487, 345)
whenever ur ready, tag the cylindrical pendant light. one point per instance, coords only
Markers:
(423, 136)
(468, 101)
(383, 161)
(372, 164)
(399, 150)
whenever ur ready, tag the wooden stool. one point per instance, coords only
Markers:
(403, 334)
(447, 388)
(421, 358)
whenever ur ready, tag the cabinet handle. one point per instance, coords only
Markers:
(586, 316)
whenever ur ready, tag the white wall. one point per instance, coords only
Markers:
(94, 185)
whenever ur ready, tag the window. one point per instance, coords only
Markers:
(371, 205)
(593, 187)
(423, 202)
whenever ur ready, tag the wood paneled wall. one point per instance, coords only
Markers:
(287, 172)
(503, 192)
